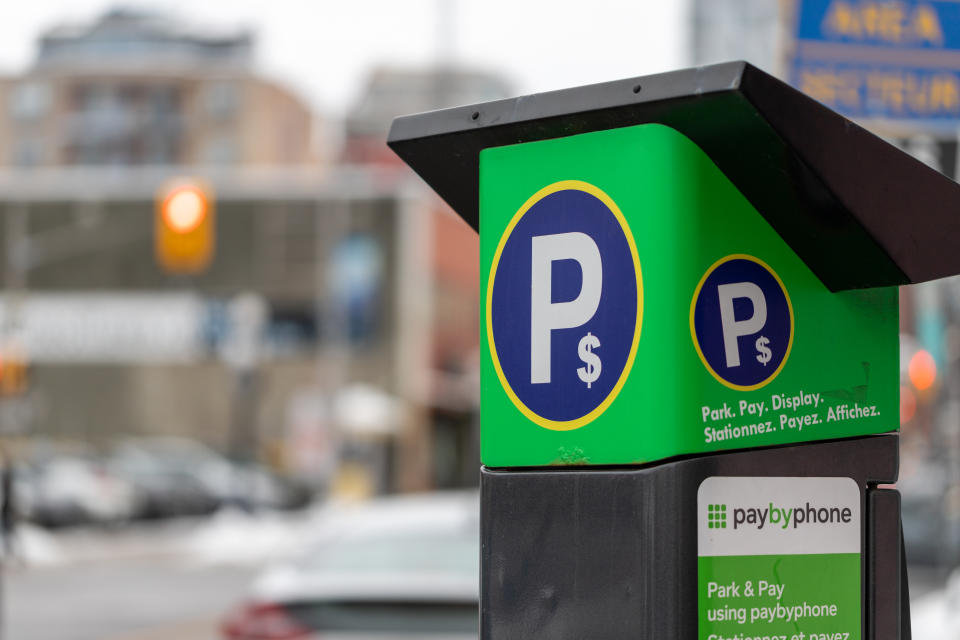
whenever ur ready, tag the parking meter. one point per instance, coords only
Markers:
(690, 355)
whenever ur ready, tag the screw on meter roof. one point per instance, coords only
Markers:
(741, 322)
(564, 305)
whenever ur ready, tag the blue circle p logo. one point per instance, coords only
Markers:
(741, 321)
(564, 305)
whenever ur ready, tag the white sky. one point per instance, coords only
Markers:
(323, 48)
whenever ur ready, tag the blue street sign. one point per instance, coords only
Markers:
(741, 321)
(565, 305)
(880, 59)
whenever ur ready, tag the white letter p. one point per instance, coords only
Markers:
(733, 328)
(545, 315)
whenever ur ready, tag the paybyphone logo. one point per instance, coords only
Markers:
(783, 517)
(751, 516)
(717, 516)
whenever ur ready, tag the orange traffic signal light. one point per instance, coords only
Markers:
(922, 370)
(13, 381)
(184, 227)
(13, 370)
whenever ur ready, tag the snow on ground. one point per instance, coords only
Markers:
(36, 547)
(936, 615)
(228, 538)
(234, 537)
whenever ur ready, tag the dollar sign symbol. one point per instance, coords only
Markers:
(764, 355)
(591, 372)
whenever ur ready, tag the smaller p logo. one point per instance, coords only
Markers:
(741, 322)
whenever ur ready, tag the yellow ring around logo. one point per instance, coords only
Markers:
(693, 330)
(565, 425)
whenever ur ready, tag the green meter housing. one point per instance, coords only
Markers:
(689, 340)
(828, 369)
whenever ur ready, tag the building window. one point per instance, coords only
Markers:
(221, 99)
(28, 152)
(30, 100)
(355, 280)
(219, 150)
(163, 101)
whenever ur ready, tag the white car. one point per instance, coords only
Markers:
(391, 569)
(936, 615)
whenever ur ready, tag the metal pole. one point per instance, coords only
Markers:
(15, 280)
(413, 282)
(332, 229)
(332, 224)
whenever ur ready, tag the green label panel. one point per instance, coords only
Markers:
(779, 557)
(635, 307)
(797, 597)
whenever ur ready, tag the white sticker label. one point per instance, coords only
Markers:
(739, 516)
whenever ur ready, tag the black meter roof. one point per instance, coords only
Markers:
(857, 210)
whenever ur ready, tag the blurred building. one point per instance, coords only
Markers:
(107, 114)
(366, 356)
(138, 88)
(392, 91)
(116, 345)
(453, 250)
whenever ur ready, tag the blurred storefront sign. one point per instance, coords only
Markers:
(355, 280)
(111, 328)
(310, 450)
(342, 441)
(876, 59)
(247, 314)
(364, 411)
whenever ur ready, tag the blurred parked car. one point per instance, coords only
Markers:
(931, 519)
(395, 568)
(64, 490)
(178, 476)
(165, 490)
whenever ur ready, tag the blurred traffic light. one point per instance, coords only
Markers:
(184, 228)
(13, 373)
(922, 370)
